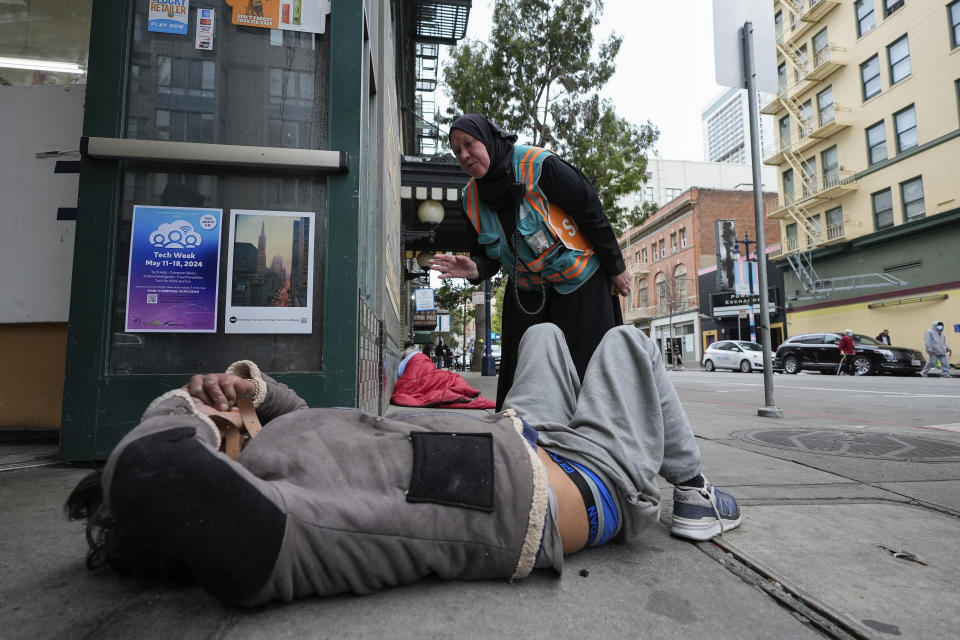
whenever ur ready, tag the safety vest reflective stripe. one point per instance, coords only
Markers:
(539, 263)
(473, 205)
(576, 268)
(526, 176)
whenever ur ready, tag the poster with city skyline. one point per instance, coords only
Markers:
(270, 274)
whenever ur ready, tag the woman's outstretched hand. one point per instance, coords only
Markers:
(451, 266)
(220, 390)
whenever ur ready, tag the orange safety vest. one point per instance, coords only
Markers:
(553, 249)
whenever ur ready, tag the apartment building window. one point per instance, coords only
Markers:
(643, 255)
(801, 71)
(683, 236)
(865, 17)
(911, 194)
(956, 84)
(661, 284)
(870, 75)
(785, 130)
(680, 278)
(791, 233)
(831, 169)
(882, 209)
(876, 143)
(782, 77)
(806, 115)
(825, 106)
(653, 250)
(834, 223)
(663, 248)
(788, 193)
(889, 6)
(648, 194)
(898, 54)
(821, 52)
(809, 176)
(644, 296)
(953, 14)
(816, 226)
(673, 192)
(778, 24)
(905, 126)
(673, 242)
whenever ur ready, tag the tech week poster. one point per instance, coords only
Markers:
(174, 270)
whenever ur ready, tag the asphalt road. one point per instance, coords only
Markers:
(812, 399)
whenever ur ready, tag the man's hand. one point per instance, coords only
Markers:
(621, 284)
(220, 390)
(451, 266)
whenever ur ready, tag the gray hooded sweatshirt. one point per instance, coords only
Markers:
(935, 342)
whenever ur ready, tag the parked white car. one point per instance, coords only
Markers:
(741, 355)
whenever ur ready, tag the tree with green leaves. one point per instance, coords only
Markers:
(451, 297)
(537, 76)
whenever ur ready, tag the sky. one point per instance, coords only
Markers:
(665, 70)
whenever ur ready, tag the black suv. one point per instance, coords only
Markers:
(819, 351)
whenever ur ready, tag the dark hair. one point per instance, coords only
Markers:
(109, 547)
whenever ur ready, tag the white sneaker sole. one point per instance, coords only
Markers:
(701, 530)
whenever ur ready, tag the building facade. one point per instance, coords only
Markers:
(726, 128)
(666, 252)
(867, 139)
(227, 111)
(667, 179)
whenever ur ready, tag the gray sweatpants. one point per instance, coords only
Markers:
(932, 362)
(625, 421)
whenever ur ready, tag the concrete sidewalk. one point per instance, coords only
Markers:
(829, 547)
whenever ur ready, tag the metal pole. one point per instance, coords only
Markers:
(769, 409)
(488, 366)
(409, 294)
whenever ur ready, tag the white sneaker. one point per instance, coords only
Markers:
(702, 513)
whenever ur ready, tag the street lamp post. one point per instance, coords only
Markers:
(488, 365)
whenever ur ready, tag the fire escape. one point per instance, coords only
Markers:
(438, 22)
(811, 188)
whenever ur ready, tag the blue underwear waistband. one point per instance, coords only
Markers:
(602, 513)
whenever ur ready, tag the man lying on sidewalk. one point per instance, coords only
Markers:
(325, 501)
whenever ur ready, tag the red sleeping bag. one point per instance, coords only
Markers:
(423, 385)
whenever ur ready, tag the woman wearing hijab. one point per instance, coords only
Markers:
(540, 219)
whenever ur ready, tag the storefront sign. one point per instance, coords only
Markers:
(423, 299)
(174, 270)
(205, 22)
(169, 16)
(289, 15)
(425, 320)
(270, 272)
(729, 303)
